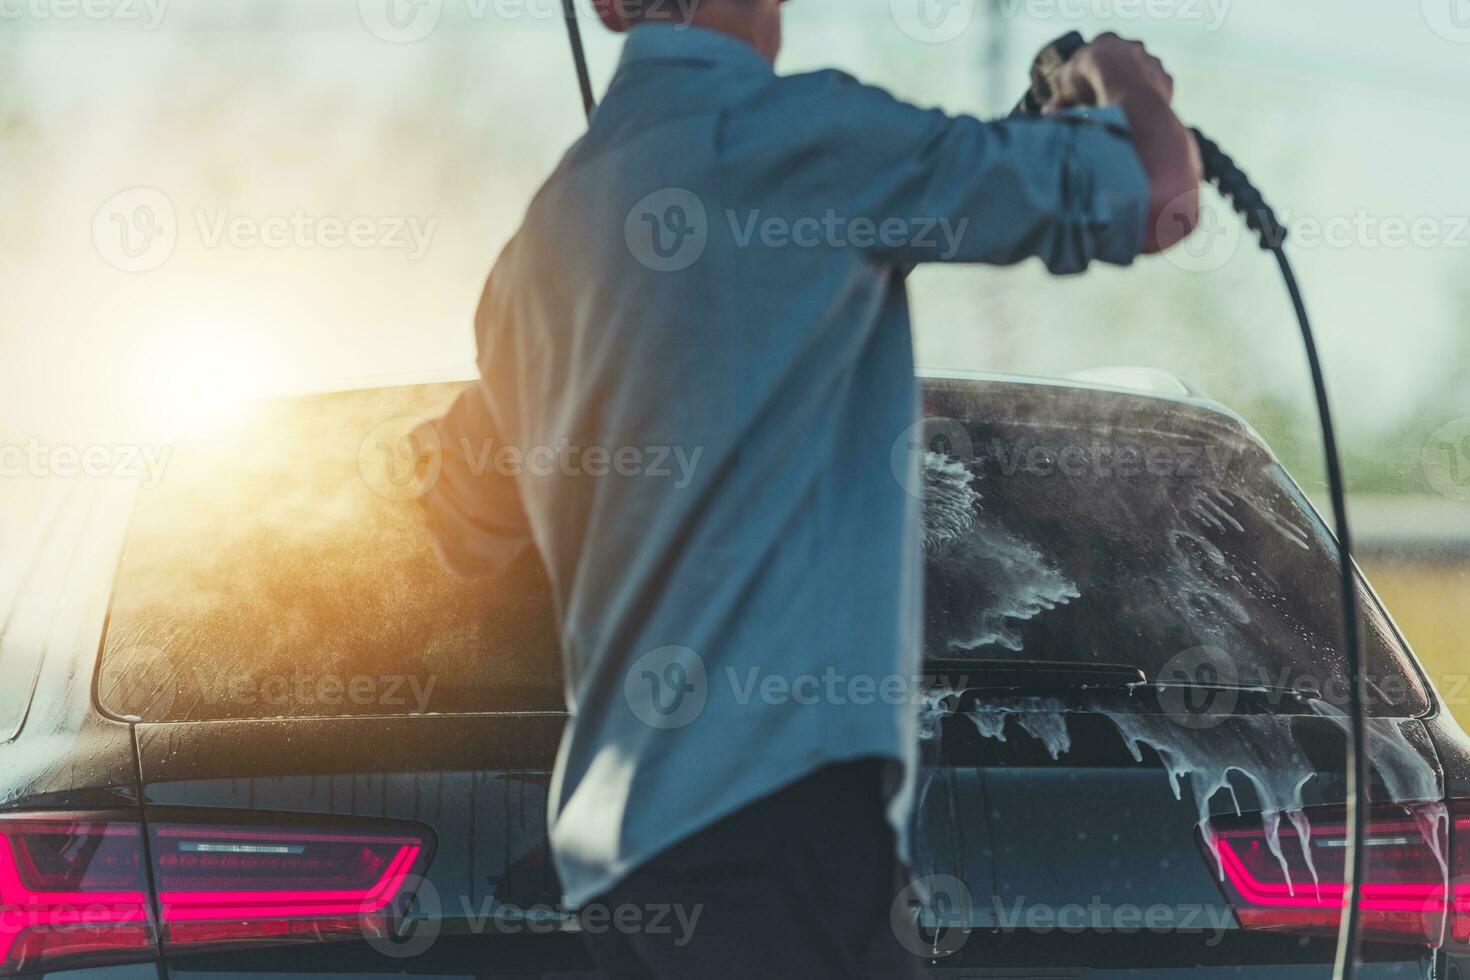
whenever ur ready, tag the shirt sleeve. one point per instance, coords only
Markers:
(472, 509)
(929, 187)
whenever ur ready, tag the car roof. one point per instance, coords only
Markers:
(1129, 383)
(1089, 403)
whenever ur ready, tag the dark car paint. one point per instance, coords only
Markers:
(490, 774)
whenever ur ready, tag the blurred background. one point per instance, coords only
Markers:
(207, 202)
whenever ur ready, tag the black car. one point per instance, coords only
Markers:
(252, 728)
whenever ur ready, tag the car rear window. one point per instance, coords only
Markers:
(272, 573)
(267, 577)
(1093, 527)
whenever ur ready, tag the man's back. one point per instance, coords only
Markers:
(626, 315)
(699, 344)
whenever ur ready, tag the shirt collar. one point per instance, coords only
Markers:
(664, 42)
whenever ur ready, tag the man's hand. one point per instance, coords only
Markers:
(1114, 71)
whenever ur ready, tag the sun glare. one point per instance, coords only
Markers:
(199, 383)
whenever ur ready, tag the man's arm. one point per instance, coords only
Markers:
(473, 511)
(1075, 187)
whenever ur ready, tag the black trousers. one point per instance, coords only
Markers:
(799, 884)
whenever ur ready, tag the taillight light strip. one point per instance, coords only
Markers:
(1377, 897)
(215, 906)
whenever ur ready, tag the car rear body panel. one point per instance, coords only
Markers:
(1097, 852)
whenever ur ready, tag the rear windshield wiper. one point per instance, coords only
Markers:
(1033, 678)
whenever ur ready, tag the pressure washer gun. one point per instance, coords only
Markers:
(1236, 188)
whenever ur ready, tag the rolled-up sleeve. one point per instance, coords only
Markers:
(472, 509)
(1068, 189)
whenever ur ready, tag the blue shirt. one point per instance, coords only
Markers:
(697, 403)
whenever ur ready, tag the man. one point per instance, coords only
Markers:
(714, 274)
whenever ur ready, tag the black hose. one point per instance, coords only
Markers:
(579, 56)
(1237, 188)
(1357, 752)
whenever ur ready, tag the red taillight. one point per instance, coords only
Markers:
(75, 888)
(1459, 929)
(241, 885)
(72, 889)
(1287, 874)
